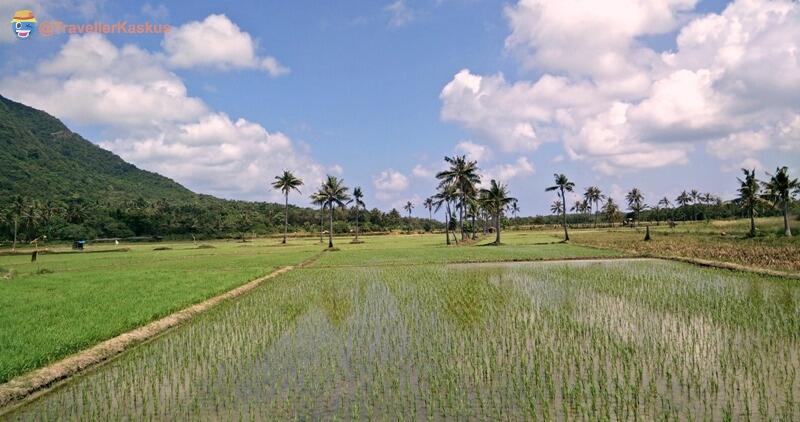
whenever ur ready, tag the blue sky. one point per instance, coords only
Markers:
(362, 95)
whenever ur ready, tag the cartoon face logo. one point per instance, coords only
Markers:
(23, 23)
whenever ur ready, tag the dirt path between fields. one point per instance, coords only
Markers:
(694, 261)
(549, 261)
(40, 380)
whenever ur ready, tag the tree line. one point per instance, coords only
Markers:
(74, 218)
(458, 191)
(773, 196)
(469, 207)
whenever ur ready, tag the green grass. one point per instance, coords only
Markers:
(431, 249)
(64, 303)
(638, 340)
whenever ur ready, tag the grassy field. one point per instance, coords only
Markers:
(723, 241)
(64, 303)
(606, 340)
(67, 302)
(404, 325)
(431, 249)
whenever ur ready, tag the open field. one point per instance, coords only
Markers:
(722, 241)
(404, 325)
(64, 303)
(598, 340)
(431, 249)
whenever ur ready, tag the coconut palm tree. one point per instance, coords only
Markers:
(636, 203)
(593, 195)
(610, 209)
(750, 196)
(408, 207)
(780, 190)
(580, 206)
(562, 185)
(473, 209)
(428, 204)
(334, 193)
(438, 201)
(663, 204)
(683, 200)
(708, 199)
(447, 194)
(515, 212)
(496, 199)
(695, 196)
(463, 174)
(286, 182)
(318, 198)
(556, 207)
(17, 209)
(358, 195)
(31, 216)
(50, 211)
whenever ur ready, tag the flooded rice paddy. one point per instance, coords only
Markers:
(639, 339)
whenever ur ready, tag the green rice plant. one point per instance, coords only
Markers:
(64, 303)
(599, 340)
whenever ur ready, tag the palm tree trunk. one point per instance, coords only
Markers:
(473, 227)
(330, 233)
(321, 221)
(356, 223)
(752, 222)
(497, 229)
(786, 229)
(285, 216)
(14, 246)
(595, 214)
(447, 223)
(461, 214)
(564, 213)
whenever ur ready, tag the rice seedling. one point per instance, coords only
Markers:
(638, 339)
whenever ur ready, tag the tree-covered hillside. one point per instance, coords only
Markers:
(54, 182)
(43, 159)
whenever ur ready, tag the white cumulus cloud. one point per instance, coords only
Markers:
(216, 42)
(390, 181)
(473, 151)
(619, 105)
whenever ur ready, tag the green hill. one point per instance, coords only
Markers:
(41, 158)
(55, 183)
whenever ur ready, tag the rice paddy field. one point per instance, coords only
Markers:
(381, 330)
(717, 240)
(66, 302)
(63, 303)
